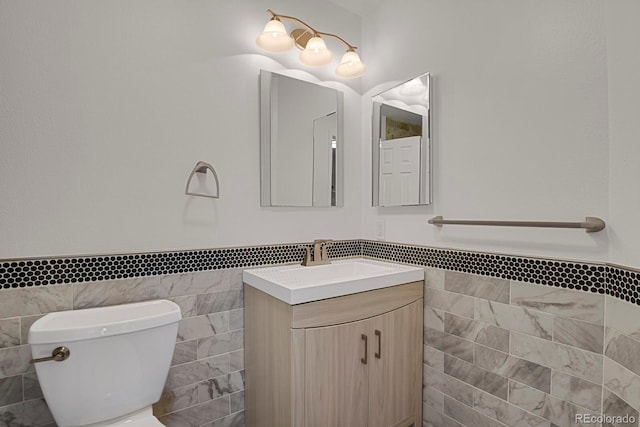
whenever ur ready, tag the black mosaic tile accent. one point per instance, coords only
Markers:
(563, 274)
(41, 272)
(623, 284)
(613, 280)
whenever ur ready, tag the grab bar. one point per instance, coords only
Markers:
(591, 224)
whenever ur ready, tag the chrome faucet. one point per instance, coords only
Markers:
(320, 254)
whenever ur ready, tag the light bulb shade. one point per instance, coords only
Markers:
(274, 38)
(316, 54)
(351, 66)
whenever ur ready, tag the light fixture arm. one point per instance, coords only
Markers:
(315, 32)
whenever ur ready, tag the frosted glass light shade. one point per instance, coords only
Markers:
(274, 38)
(316, 54)
(351, 66)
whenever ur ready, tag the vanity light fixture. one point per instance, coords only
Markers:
(314, 53)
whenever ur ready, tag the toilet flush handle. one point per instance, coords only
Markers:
(58, 354)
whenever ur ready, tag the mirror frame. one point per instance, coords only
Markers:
(266, 131)
(426, 182)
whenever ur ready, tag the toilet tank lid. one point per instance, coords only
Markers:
(75, 325)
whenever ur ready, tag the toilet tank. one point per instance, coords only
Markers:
(118, 363)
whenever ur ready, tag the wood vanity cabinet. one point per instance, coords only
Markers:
(349, 361)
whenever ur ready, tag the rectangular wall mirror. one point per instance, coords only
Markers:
(301, 142)
(401, 144)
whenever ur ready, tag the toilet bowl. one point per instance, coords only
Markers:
(105, 366)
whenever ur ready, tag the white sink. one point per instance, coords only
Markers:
(295, 284)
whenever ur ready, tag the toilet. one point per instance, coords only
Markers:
(105, 366)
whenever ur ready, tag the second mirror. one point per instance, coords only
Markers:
(401, 144)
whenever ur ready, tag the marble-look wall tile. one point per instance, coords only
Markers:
(563, 302)
(110, 292)
(622, 382)
(234, 276)
(478, 377)
(31, 386)
(448, 343)
(33, 413)
(28, 301)
(122, 291)
(570, 360)
(204, 282)
(466, 415)
(185, 352)
(237, 401)
(188, 305)
(576, 390)
(9, 332)
(450, 386)
(219, 344)
(203, 326)
(176, 399)
(434, 278)
(199, 414)
(10, 390)
(236, 319)
(236, 360)
(614, 406)
(490, 288)
(220, 386)
(459, 304)
(623, 350)
(618, 313)
(25, 325)
(220, 301)
(15, 361)
(194, 372)
(504, 412)
(433, 358)
(434, 418)
(434, 319)
(509, 366)
(514, 318)
(584, 335)
(433, 398)
(233, 420)
(557, 411)
(472, 330)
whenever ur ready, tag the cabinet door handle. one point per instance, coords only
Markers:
(378, 354)
(364, 359)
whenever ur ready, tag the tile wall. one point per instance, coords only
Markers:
(509, 341)
(501, 352)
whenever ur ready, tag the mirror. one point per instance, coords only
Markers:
(301, 142)
(401, 144)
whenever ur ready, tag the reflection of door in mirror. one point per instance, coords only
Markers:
(300, 142)
(401, 145)
(324, 147)
(399, 156)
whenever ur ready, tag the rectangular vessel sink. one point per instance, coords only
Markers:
(295, 284)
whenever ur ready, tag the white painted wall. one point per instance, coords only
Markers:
(106, 106)
(623, 57)
(520, 119)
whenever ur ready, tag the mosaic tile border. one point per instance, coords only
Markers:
(564, 274)
(613, 280)
(52, 271)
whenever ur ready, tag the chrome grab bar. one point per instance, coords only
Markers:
(591, 224)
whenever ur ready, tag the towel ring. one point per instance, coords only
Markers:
(202, 167)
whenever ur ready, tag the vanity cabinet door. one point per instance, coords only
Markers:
(395, 380)
(336, 377)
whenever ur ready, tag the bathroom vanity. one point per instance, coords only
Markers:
(334, 345)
